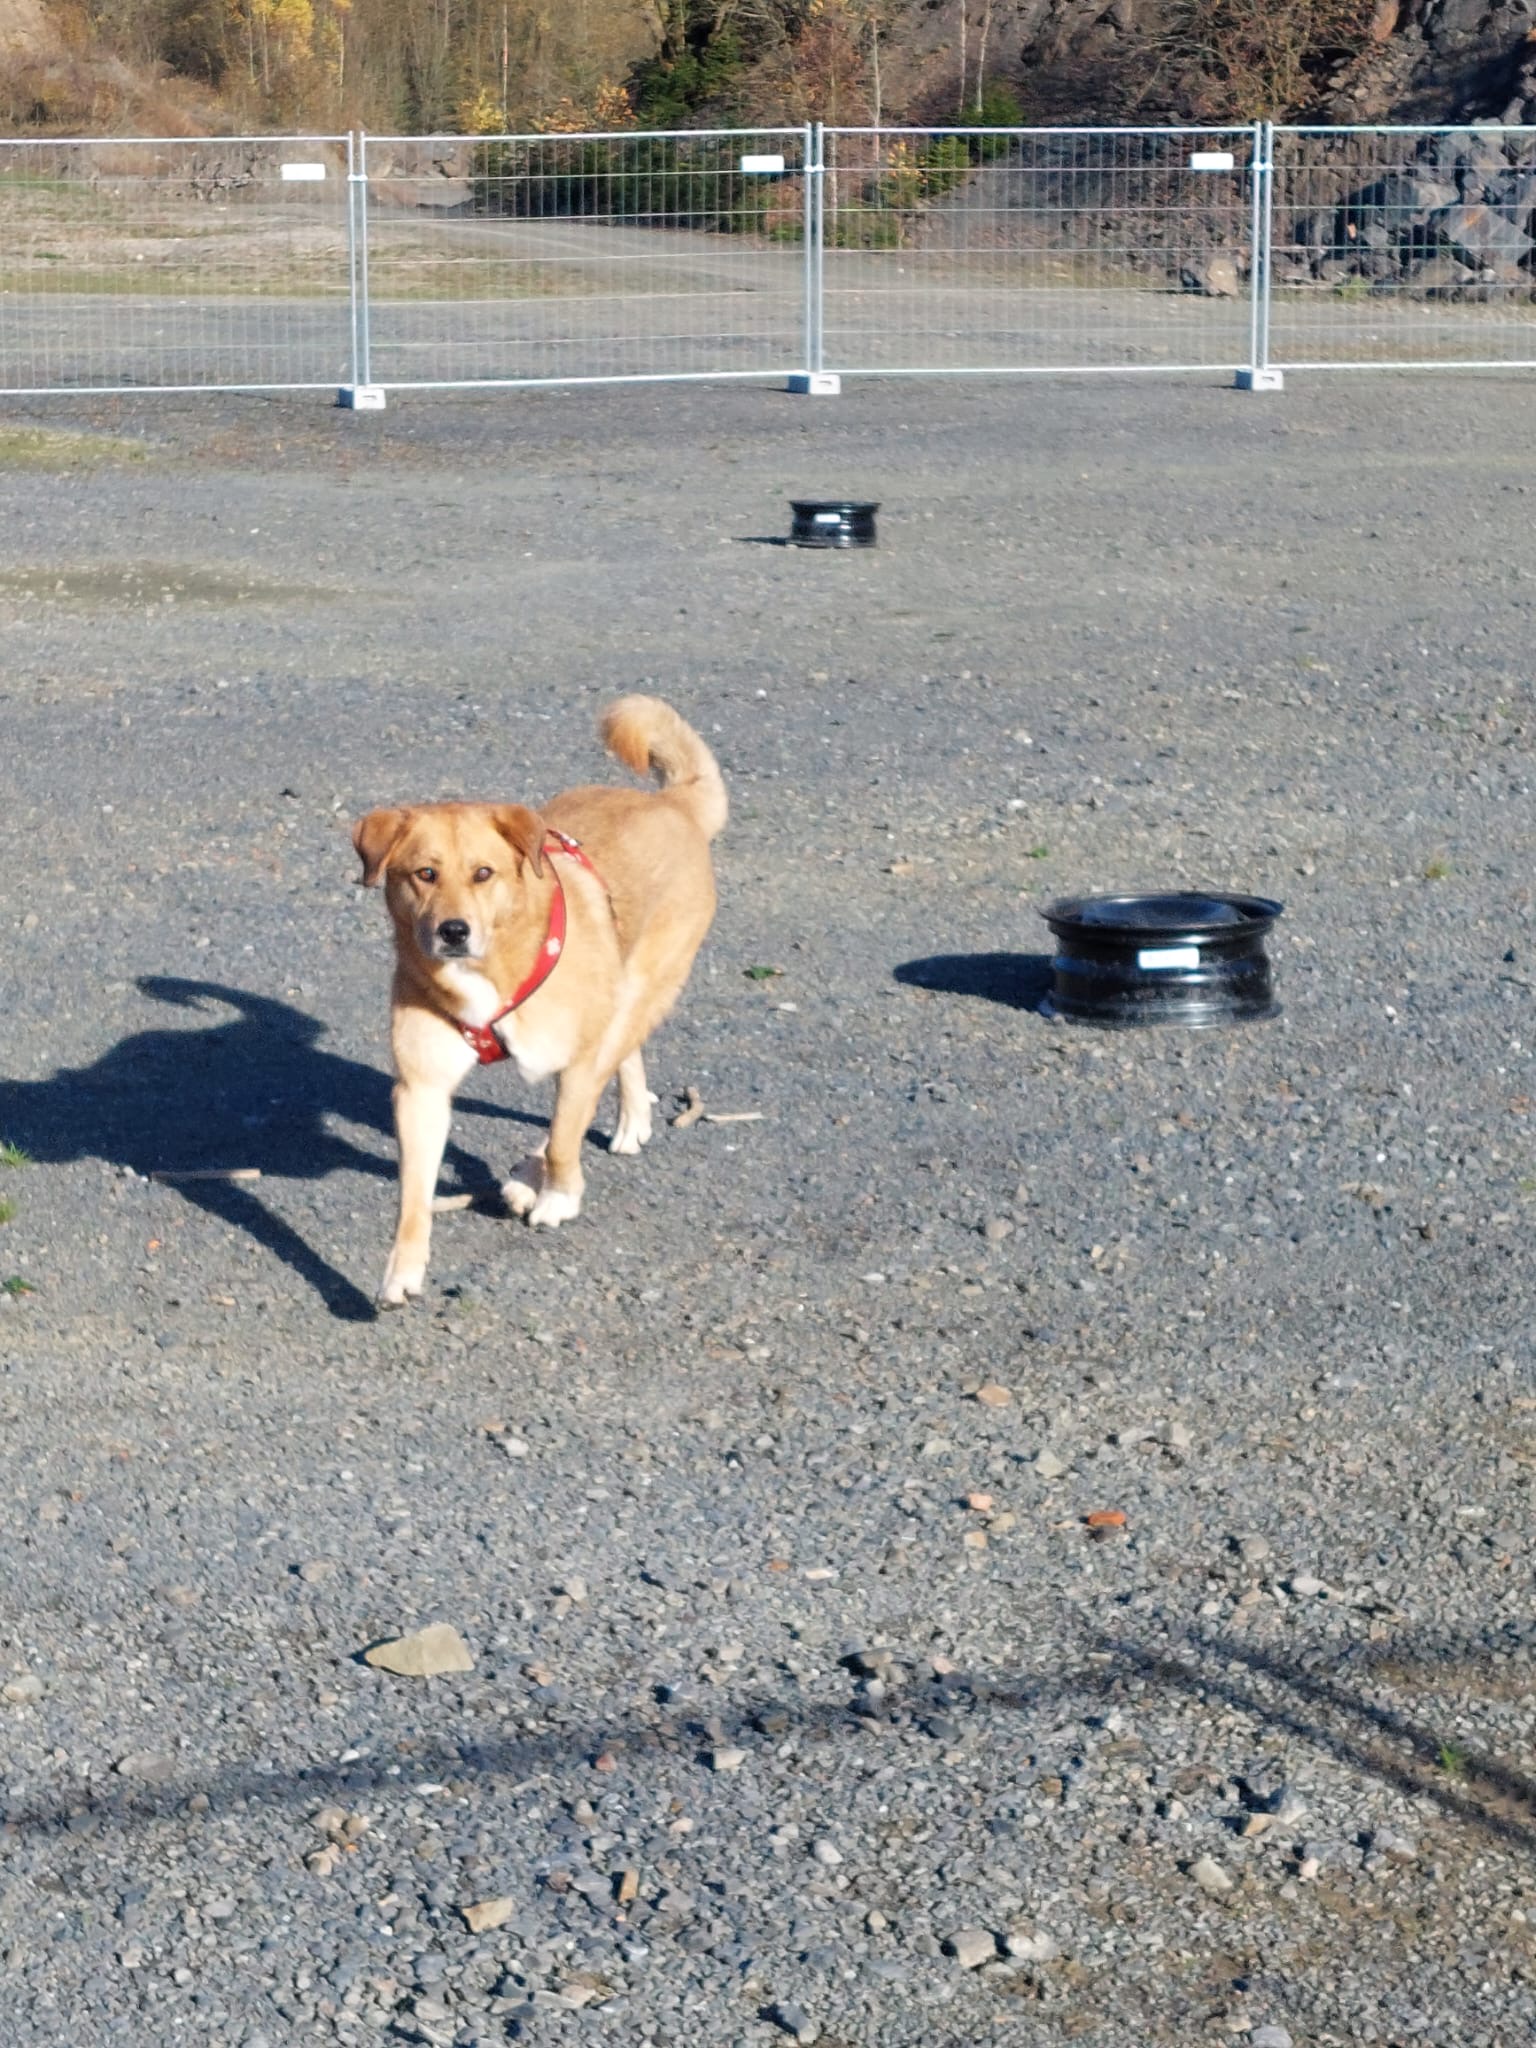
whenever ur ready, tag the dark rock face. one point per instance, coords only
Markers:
(1420, 60)
(1454, 216)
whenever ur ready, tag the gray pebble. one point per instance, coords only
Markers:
(971, 1947)
(1210, 1877)
(796, 2022)
(1398, 1848)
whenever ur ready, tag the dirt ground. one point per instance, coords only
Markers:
(1267, 1292)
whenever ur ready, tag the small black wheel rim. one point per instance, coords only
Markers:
(1194, 958)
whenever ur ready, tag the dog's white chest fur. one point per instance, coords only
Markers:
(475, 998)
(477, 1001)
(535, 1052)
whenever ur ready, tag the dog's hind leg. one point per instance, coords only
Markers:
(633, 1128)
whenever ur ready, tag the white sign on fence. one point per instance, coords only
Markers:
(762, 163)
(303, 174)
(1213, 160)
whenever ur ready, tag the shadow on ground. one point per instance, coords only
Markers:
(1022, 981)
(255, 1089)
(1378, 1741)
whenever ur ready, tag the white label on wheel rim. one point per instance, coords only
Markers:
(1169, 956)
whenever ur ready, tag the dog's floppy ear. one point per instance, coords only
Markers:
(376, 838)
(523, 830)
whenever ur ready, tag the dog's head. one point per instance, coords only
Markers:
(453, 873)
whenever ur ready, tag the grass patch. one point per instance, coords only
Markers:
(16, 1285)
(12, 1155)
(198, 286)
(1437, 870)
(52, 448)
(761, 973)
(1451, 1758)
(7, 1210)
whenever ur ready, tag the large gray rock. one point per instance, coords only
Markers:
(1440, 277)
(1457, 19)
(1513, 192)
(1473, 158)
(1213, 277)
(1480, 235)
(1318, 230)
(1400, 199)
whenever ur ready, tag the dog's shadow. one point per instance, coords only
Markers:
(1021, 981)
(255, 1089)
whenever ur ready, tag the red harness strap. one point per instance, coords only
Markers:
(482, 1037)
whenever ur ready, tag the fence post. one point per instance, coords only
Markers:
(1259, 376)
(361, 395)
(814, 381)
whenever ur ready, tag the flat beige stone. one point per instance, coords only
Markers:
(489, 1913)
(426, 1654)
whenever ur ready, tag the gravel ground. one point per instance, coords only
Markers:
(804, 1702)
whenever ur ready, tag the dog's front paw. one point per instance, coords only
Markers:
(554, 1207)
(403, 1281)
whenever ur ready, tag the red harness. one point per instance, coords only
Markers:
(487, 1046)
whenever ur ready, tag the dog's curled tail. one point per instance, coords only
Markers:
(649, 737)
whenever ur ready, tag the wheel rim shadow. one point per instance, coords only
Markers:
(1018, 981)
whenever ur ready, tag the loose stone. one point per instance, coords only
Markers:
(426, 1654)
(1210, 1877)
(971, 1947)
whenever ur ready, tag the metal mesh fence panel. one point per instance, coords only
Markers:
(1038, 249)
(174, 265)
(531, 259)
(1401, 246)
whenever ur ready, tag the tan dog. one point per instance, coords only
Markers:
(559, 939)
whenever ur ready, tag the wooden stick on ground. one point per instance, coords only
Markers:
(210, 1173)
(692, 1110)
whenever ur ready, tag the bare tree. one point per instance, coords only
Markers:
(981, 55)
(872, 16)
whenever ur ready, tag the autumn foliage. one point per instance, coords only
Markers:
(571, 66)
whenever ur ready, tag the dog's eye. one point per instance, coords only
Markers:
(482, 874)
(426, 874)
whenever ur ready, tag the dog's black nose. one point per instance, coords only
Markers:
(454, 931)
